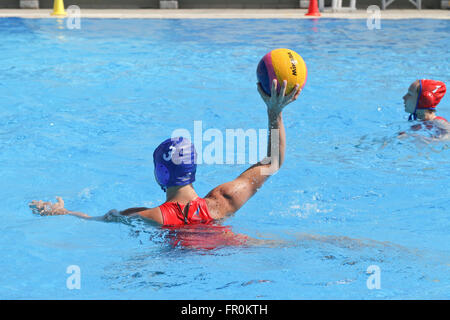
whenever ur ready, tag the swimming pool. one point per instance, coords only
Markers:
(82, 111)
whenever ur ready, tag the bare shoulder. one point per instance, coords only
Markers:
(215, 203)
(227, 198)
(153, 214)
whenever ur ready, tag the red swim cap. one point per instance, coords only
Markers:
(430, 94)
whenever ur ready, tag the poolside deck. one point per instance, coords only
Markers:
(227, 14)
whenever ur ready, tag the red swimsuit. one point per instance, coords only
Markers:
(174, 213)
(192, 227)
(428, 124)
(440, 118)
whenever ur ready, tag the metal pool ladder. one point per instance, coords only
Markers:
(386, 3)
(336, 5)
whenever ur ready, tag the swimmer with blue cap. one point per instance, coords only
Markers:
(175, 169)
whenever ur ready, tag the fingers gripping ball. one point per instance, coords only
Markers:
(281, 64)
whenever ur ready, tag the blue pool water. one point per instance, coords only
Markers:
(82, 110)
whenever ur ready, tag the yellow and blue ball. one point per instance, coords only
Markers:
(282, 64)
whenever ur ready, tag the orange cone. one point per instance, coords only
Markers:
(313, 9)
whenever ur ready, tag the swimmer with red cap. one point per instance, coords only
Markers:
(175, 168)
(421, 100)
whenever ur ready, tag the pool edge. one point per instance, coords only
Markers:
(394, 14)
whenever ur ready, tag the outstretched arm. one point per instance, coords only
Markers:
(57, 208)
(47, 208)
(229, 197)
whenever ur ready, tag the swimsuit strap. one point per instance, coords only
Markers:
(185, 211)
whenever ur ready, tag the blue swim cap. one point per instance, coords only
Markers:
(175, 162)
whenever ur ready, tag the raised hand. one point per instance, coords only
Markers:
(276, 102)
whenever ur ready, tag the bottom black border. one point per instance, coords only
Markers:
(221, 309)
